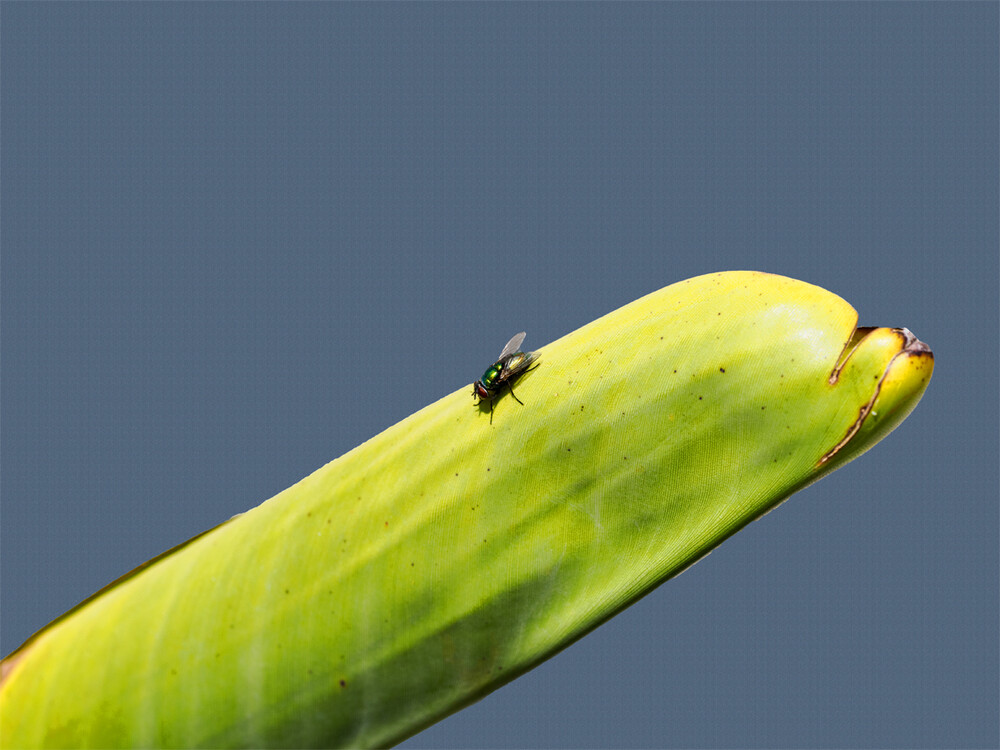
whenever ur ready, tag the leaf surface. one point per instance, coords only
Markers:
(447, 555)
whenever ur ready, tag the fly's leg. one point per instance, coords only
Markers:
(511, 389)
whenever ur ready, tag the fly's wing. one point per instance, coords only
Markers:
(517, 363)
(513, 345)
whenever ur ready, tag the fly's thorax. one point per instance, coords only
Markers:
(491, 376)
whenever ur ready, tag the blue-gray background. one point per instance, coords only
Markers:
(239, 239)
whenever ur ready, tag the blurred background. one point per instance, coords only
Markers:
(240, 239)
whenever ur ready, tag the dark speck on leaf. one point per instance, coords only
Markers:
(722, 369)
(343, 683)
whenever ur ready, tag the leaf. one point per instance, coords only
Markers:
(447, 555)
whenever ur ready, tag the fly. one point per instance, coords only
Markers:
(509, 365)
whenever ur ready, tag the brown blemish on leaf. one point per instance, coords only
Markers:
(7, 665)
(912, 347)
(849, 348)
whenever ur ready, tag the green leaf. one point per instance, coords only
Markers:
(447, 555)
